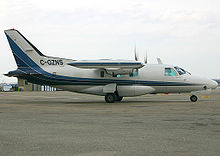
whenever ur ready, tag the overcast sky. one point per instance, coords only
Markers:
(184, 33)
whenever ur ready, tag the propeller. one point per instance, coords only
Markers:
(145, 58)
(137, 57)
(135, 54)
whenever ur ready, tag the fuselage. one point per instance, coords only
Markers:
(90, 81)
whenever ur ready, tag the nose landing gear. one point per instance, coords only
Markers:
(193, 98)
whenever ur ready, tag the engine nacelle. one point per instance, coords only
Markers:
(125, 91)
(134, 90)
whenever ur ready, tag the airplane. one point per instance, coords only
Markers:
(113, 79)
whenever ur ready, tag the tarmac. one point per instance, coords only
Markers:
(65, 123)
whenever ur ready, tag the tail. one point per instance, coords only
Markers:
(25, 53)
(28, 58)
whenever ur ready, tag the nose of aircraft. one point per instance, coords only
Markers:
(213, 84)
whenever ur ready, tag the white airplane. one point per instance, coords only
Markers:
(113, 79)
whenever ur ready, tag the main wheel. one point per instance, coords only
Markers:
(110, 98)
(119, 98)
(193, 98)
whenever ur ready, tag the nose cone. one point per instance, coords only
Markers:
(213, 84)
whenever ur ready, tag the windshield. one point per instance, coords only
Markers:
(180, 70)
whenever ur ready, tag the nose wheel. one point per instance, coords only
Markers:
(193, 98)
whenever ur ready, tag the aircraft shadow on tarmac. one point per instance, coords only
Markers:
(125, 102)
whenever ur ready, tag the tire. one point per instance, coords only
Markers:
(193, 98)
(110, 98)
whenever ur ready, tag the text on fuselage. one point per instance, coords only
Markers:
(51, 62)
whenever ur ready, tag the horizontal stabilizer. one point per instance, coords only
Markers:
(20, 73)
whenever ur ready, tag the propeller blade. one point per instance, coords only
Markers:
(135, 54)
(136, 57)
(145, 58)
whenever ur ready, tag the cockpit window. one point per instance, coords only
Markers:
(180, 70)
(170, 72)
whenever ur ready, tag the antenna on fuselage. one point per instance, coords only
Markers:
(159, 61)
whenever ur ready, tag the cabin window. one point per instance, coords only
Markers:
(102, 74)
(170, 72)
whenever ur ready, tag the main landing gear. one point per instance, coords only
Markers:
(193, 98)
(112, 97)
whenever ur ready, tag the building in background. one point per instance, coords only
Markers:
(48, 88)
(24, 85)
(4, 87)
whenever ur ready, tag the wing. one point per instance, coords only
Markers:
(110, 66)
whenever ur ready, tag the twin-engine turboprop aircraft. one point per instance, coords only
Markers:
(113, 79)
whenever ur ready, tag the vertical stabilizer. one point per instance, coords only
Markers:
(25, 53)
